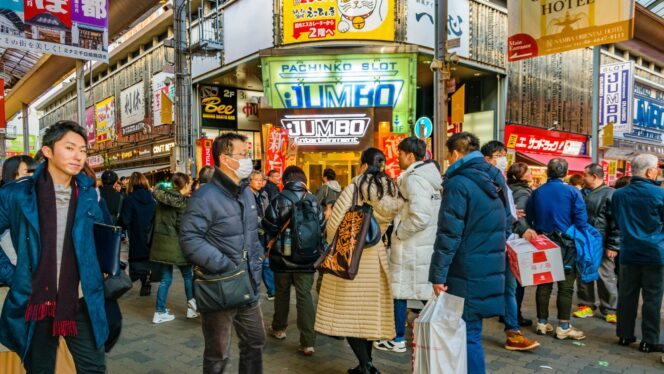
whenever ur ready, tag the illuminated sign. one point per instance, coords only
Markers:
(353, 81)
(219, 107)
(335, 129)
(535, 140)
(163, 148)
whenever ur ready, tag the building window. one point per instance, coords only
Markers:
(619, 52)
(162, 36)
(135, 54)
(147, 45)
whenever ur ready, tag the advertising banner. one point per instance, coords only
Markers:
(390, 147)
(3, 122)
(105, 119)
(276, 149)
(535, 140)
(420, 28)
(647, 114)
(70, 28)
(248, 103)
(14, 147)
(132, 109)
(90, 125)
(219, 107)
(204, 153)
(163, 96)
(350, 81)
(615, 96)
(320, 20)
(538, 28)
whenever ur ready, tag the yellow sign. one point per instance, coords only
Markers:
(105, 119)
(459, 105)
(607, 135)
(542, 27)
(320, 20)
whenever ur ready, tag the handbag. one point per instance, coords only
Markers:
(118, 284)
(358, 230)
(108, 241)
(223, 291)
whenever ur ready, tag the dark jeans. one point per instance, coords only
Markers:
(248, 323)
(400, 317)
(647, 280)
(43, 348)
(306, 314)
(563, 301)
(474, 349)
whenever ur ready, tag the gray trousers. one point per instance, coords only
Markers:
(607, 288)
(248, 323)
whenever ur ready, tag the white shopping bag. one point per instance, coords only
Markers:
(439, 337)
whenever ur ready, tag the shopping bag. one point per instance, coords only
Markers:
(439, 337)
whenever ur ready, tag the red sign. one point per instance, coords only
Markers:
(206, 152)
(390, 146)
(275, 151)
(3, 123)
(535, 140)
(43, 11)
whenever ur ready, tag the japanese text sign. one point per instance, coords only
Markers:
(320, 20)
(105, 119)
(90, 125)
(132, 109)
(276, 149)
(538, 28)
(390, 147)
(534, 140)
(3, 122)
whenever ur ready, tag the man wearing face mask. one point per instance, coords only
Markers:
(218, 228)
(495, 153)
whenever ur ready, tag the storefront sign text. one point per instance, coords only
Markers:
(335, 129)
(391, 149)
(276, 149)
(105, 119)
(162, 148)
(615, 82)
(534, 140)
(219, 107)
(132, 109)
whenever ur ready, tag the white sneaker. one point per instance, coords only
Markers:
(543, 328)
(192, 309)
(162, 317)
(570, 333)
(390, 345)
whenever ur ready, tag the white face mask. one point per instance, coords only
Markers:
(245, 169)
(501, 163)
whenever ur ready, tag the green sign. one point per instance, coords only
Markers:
(348, 81)
(15, 146)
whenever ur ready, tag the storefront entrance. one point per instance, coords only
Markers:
(344, 164)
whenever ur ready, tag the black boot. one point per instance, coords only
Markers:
(648, 347)
(146, 289)
(524, 322)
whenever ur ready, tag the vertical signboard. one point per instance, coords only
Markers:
(276, 149)
(538, 28)
(615, 96)
(163, 96)
(105, 119)
(132, 109)
(90, 125)
(390, 147)
(3, 122)
(320, 20)
(218, 107)
(248, 103)
(420, 24)
(71, 28)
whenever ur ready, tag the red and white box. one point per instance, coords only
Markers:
(535, 262)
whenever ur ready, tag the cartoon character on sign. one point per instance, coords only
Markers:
(362, 15)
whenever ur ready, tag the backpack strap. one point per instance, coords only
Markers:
(285, 193)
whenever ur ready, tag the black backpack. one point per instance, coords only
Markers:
(306, 236)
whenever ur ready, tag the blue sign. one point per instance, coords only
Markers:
(423, 123)
(648, 113)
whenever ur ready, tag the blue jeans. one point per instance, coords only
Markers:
(268, 277)
(474, 347)
(511, 317)
(400, 315)
(167, 279)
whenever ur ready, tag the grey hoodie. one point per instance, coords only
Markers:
(328, 193)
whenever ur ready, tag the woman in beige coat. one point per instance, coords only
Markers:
(362, 309)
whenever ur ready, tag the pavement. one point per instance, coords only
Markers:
(177, 346)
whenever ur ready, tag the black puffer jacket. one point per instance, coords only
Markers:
(220, 221)
(598, 203)
(276, 216)
(521, 193)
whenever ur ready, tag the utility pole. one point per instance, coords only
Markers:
(440, 67)
(184, 146)
(595, 121)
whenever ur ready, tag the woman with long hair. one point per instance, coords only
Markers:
(137, 217)
(17, 167)
(362, 309)
(166, 247)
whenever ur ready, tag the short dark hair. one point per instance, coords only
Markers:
(271, 172)
(576, 180)
(595, 169)
(623, 181)
(463, 142)
(223, 145)
(492, 147)
(205, 174)
(180, 180)
(58, 130)
(416, 146)
(294, 174)
(516, 172)
(109, 177)
(557, 168)
(330, 174)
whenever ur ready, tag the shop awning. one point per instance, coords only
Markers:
(146, 169)
(577, 164)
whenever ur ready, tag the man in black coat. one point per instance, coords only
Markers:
(218, 229)
(110, 194)
(272, 186)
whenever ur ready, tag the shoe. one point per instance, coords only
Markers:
(517, 342)
(192, 309)
(611, 318)
(525, 322)
(543, 328)
(270, 298)
(648, 348)
(307, 351)
(390, 345)
(584, 312)
(278, 334)
(570, 333)
(162, 317)
(626, 341)
(146, 289)
(370, 369)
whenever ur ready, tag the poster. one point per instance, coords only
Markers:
(276, 149)
(14, 147)
(647, 114)
(320, 20)
(615, 96)
(420, 28)
(70, 28)
(248, 103)
(132, 109)
(163, 97)
(218, 107)
(538, 28)
(3, 122)
(348, 81)
(105, 119)
(90, 125)
(390, 147)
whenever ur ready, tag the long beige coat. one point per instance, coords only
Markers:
(363, 307)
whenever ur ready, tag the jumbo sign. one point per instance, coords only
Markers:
(334, 129)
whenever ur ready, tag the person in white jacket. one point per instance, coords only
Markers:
(413, 235)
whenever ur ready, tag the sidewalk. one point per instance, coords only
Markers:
(177, 346)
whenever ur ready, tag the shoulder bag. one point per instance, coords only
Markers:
(223, 291)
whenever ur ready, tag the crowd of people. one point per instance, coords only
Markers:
(440, 233)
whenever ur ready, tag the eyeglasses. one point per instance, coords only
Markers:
(242, 155)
